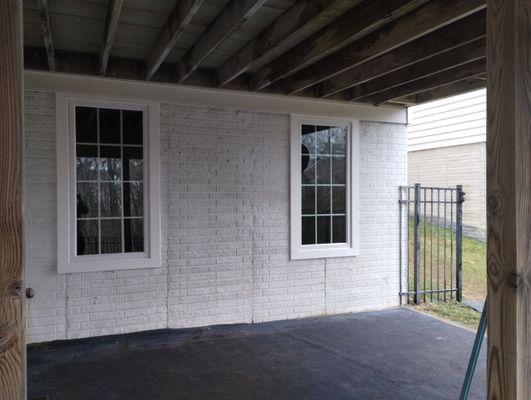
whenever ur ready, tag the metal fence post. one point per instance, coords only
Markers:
(416, 248)
(459, 242)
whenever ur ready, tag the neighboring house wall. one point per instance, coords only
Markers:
(446, 147)
(225, 231)
(448, 166)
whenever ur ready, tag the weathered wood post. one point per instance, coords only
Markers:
(509, 198)
(12, 337)
(416, 245)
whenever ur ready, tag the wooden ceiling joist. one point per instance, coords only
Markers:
(230, 19)
(445, 77)
(119, 67)
(44, 14)
(364, 18)
(449, 37)
(377, 51)
(424, 20)
(113, 16)
(441, 62)
(300, 15)
(179, 18)
(452, 89)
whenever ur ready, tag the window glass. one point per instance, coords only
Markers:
(134, 234)
(308, 230)
(110, 188)
(324, 184)
(86, 125)
(87, 162)
(133, 131)
(109, 126)
(111, 236)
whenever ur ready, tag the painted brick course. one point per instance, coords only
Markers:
(225, 231)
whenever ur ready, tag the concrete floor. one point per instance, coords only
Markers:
(395, 354)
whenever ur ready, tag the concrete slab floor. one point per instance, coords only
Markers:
(393, 354)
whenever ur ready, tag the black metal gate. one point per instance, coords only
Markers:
(431, 251)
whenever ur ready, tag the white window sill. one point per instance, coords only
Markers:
(101, 263)
(323, 252)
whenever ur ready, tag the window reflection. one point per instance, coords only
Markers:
(109, 173)
(324, 184)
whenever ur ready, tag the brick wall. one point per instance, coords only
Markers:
(225, 231)
(450, 166)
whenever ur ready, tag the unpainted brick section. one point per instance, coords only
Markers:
(456, 165)
(225, 231)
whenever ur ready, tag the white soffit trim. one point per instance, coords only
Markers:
(188, 95)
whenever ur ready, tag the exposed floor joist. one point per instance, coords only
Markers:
(422, 21)
(429, 82)
(300, 15)
(122, 68)
(366, 54)
(452, 89)
(113, 16)
(179, 18)
(230, 19)
(461, 32)
(44, 14)
(441, 62)
(355, 23)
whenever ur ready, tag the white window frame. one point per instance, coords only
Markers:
(67, 259)
(327, 250)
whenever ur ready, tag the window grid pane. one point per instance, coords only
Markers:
(102, 225)
(327, 147)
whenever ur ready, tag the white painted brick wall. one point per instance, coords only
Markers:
(225, 231)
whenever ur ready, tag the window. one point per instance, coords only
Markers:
(108, 215)
(324, 188)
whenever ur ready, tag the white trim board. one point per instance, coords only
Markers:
(67, 259)
(188, 95)
(329, 250)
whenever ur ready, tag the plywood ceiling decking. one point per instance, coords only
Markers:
(315, 48)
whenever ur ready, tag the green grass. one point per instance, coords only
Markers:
(454, 312)
(474, 272)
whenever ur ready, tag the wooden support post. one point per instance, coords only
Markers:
(12, 336)
(509, 198)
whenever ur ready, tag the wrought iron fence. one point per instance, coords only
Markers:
(431, 251)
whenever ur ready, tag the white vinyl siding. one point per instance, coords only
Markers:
(452, 121)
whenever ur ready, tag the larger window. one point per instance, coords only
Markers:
(108, 185)
(324, 189)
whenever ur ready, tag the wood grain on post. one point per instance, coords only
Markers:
(509, 198)
(12, 335)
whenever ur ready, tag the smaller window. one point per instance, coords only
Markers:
(108, 215)
(324, 188)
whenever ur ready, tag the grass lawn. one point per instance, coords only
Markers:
(474, 272)
(452, 311)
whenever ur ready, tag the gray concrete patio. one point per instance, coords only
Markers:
(394, 354)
